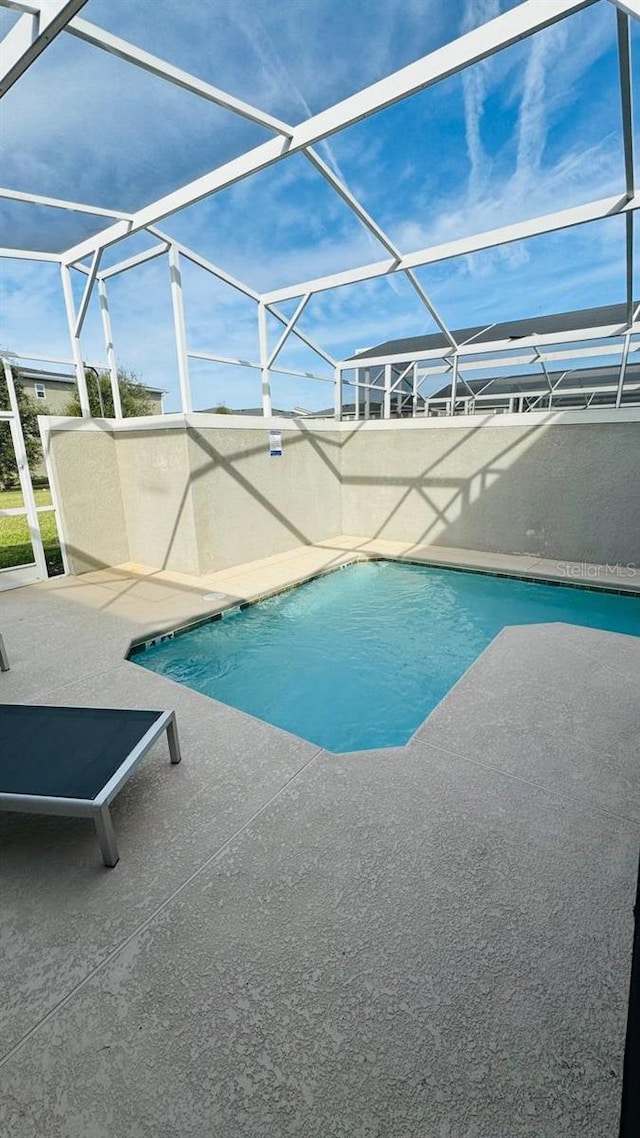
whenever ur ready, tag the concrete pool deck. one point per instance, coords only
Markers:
(428, 941)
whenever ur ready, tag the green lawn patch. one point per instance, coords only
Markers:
(15, 546)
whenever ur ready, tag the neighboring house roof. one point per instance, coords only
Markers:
(510, 330)
(68, 379)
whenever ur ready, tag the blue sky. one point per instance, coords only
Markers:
(534, 129)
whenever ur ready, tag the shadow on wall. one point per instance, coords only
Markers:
(200, 500)
(570, 492)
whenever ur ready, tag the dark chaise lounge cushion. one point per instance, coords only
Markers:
(65, 752)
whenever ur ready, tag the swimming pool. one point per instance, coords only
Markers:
(358, 658)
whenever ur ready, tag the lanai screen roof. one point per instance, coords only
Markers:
(338, 171)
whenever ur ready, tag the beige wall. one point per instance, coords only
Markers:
(85, 471)
(157, 496)
(248, 505)
(199, 497)
(568, 491)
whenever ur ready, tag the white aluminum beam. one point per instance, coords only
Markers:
(111, 355)
(490, 239)
(528, 17)
(114, 45)
(21, 6)
(131, 262)
(22, 462)
(302, 336)
(337, 395)
(544, 369)
(88, 289)
(353, 203)
(378, 233)
(208, 266)
(626, 98)
(630, 7)
(403, 375)
(60, 203)
(264, 360)
(180, 329)
(29, 37)
(287, 330)
(626, 101)
(76, 349)
(623, 369)
(256, 366)
(386, 399)
(30, 255)
(415, 283)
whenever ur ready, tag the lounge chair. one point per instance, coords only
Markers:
(74, 760)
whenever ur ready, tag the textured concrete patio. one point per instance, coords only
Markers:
(432, 941)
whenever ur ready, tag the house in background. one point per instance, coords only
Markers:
(415, 368)
(55, 389)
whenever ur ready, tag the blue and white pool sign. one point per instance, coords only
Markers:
(275, 444)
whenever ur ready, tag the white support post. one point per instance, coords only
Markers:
(626, 107)
(76, 348)
(264, 360)
(29, 37)
(356, 394)
(180, 329)
(414, 401)
(88, 289)
(631, 7)
(111, 355)
(15, 424)
(454, 385)
(367, 394)
(386, 413)
(623, 369)
(337, 398)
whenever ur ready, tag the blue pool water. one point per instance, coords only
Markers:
(358, 658)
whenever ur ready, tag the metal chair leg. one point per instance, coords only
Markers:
(106, 837)
(173, 741)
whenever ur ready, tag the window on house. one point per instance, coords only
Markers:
(40, 391)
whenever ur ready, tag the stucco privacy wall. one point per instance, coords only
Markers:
(569, 490)
(156, 484)
(84, 469)
(249, 505)
(193, 496)
(196, 498)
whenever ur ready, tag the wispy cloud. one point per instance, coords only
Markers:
(512, 137)
(474, 86)
(533, 123)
